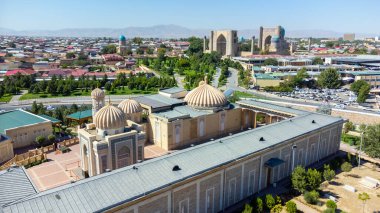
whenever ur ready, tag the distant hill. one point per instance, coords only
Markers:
(163, 31)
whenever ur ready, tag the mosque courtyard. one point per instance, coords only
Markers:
(58, 170)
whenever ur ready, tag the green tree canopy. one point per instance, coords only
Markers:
(371, 142)
(355, 87)
(270, 61)
(291, 207)
(317, 61)
(346, 167)
(196, 45)
(329, 78)
(299, 180)
(314, 179)
(109, 49)
(328, 174)
(363, 93)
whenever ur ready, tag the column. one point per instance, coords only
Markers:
(254, 116)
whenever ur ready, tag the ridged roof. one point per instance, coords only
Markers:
(205, 96)
(109, 117)
(130, 106)
(97, 94)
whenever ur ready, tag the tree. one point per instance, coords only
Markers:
(108, 86)
(328, 174)
(137, 40)
(355, 87)
(149, 51)
(362, 127)
(196, 45)
(311, 197)
(314, 179)
(270, 61)
(371, 142)
(291, 207)
(331, 204)
(140, 51)
(299, 179)
(269, 201)
(317, 61)
(161, 54)
(109, 49)
(40, 140)
(363, 197)
(70, 55)
(374, 52)
(329, 78)
(299, 78)
(349, 126)
(259, 205)
(346, 167)
(34, 108)
(278, 200)
(276, 209)
(363, 93)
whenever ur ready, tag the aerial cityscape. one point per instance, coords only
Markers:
(189, 106)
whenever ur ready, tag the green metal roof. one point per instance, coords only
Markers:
(17, 118)
(53, 120)
(81, 114)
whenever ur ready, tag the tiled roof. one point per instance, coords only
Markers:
(17, 118)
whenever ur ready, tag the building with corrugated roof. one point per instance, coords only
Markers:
(209, 177)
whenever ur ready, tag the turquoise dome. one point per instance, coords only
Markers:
(282, 32)
(122, 38)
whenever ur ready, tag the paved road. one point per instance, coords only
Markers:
(179, 80)
(215, 78)
(62, 101)
(16, 98)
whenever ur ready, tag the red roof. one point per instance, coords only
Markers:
(22, 71)
(112, 57)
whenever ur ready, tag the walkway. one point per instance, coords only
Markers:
(304, 208)
(16, 98)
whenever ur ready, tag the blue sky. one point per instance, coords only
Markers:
(360, 16)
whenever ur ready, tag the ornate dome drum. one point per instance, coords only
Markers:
(109, 117)
(97, 94)
(130, 106)
(205, 96)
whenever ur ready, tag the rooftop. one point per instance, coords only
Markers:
(158, 101)
(272, 107)
(15, 184)
(80, 114)
(17, 118)
(173, 90)
(135, 181)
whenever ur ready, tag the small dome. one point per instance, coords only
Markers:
(122, 38)
(130, 106)
(205, 96)
(97, 94)
(109, 117)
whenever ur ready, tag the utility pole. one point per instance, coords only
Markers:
(360, 148)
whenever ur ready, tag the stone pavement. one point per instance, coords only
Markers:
(56, 171)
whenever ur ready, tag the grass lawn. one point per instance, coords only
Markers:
(118, 91)
(6, 98)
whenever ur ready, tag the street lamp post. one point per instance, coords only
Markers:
(294, 147)
(360, 148)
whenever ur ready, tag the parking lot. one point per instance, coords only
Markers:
(337, 98)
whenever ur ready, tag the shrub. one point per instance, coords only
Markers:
(51, 138)
(346, 167)
(331, 204)
(269, 201)
(247, 208)
(328, 210)
(276, 209)
(314, 179)
(278, 200)
(43, 96)
(40, 140)
(259, 205)
(328, 174)
(311, 197)
(291, 207)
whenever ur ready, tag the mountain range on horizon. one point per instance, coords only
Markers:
(165, 31)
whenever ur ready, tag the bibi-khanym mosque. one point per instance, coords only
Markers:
(223, 153)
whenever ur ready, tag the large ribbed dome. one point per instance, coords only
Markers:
(130, 106)
(97, 94)
(205, 96)
(109, 117)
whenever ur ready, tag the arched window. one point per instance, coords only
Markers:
(123, 157)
